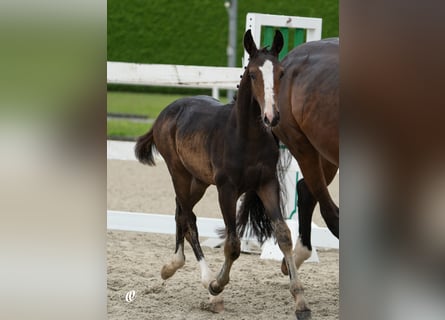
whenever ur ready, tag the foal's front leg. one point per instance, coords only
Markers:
(269, 194)
(232, 247)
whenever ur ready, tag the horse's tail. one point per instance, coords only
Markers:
(252, 218)
(144, 148)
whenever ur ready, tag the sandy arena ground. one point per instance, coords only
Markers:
(257, 289)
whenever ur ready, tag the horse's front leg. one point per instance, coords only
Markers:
(232, 247)
(269, 194)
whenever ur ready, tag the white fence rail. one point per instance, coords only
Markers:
(168, 75)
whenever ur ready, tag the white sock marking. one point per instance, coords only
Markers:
(301, 253)
(206, 274)
(179, 258)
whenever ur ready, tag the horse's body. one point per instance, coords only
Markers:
(203, 143)
(308, 126)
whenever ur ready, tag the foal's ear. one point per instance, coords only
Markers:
(277, 44)
(249, 44)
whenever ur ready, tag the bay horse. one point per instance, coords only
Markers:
(309, 119)
(231, 146)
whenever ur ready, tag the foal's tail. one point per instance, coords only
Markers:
(252, 218)
(144, 148)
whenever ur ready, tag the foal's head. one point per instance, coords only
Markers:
(265, 72)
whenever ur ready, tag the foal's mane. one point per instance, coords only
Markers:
(264, 50)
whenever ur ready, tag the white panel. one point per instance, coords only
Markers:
(162, 223)
(120, 150)
(158, 223)
(254, 21)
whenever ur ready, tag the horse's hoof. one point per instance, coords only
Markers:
(167, 272)
(284, 268)
(214, 289)
(216, 304)
(303, 315)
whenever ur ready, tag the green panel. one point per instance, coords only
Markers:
(268, 36)
(299, 36)
(285, 33)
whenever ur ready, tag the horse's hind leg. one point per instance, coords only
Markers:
(311, 165)
(178, 260)
(307, 202)
(197, 190)
(181, 182)
(188, 192)
(306, 206)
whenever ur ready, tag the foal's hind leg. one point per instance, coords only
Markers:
(197, 190)
(188, 192)
(178, 260)
(187, 195)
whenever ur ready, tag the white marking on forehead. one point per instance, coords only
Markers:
(267, 71)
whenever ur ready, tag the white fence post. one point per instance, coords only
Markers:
(215, 93)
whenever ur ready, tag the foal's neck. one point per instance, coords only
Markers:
(247, 111)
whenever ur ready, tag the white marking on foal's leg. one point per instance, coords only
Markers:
(206, 274)
(177, 262)
(269, 101)
(301, 253)
(216, 302)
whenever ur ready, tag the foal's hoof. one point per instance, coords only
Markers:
(303, 315)
(214, 288)
(284, 267)
(167, 272)
(216, 304)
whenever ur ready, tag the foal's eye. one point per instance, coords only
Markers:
(281, 74)
(252, 76)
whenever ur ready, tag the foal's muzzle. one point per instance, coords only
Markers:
(274, 121)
